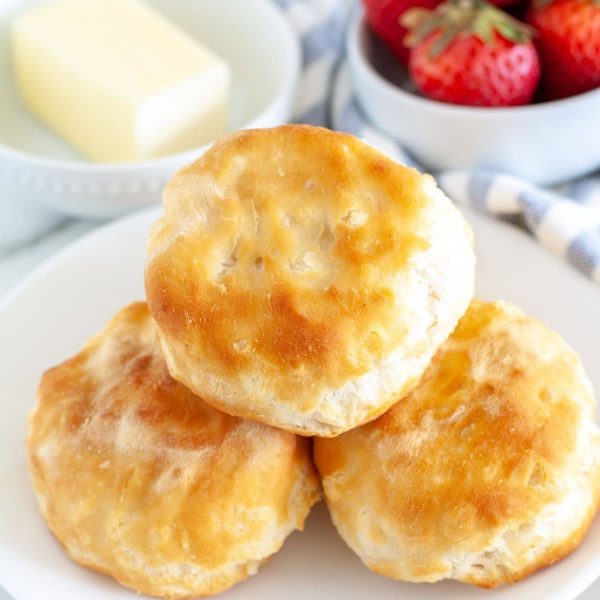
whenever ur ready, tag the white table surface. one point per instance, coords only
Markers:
(17, 262)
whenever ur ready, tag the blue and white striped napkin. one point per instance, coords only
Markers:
(566, 219)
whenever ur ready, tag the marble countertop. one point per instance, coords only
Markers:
(19, 261)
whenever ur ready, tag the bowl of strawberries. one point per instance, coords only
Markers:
(512, 86)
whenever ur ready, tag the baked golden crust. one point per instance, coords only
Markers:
(486, 472)
(303, 279)
(139, 478)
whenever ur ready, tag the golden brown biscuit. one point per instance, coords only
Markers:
(486, 472)
(303, 279)
(140, 479)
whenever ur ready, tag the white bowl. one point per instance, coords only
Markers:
(38, 170)
(544, 143)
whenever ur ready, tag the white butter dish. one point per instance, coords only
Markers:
(40, 171)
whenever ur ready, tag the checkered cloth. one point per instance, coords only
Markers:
(566, 219)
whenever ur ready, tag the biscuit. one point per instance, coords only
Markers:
(303, 279)
(486, 472)
(140, 479)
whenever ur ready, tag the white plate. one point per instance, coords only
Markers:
(69, 298)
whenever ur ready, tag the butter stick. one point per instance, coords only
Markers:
(117, 80)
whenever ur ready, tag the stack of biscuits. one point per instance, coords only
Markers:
(300, 285)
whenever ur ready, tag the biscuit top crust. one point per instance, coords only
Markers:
(134, 470)
(498, 428)
(282, 251)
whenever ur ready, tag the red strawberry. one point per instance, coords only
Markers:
(469, 52)
(384, 18)
(569, 44)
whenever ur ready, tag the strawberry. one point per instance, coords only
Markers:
(384, 18)
(569, 44)
(470, 52)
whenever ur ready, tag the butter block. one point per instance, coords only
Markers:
(117, 80)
